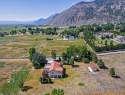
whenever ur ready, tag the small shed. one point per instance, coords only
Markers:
(92, 68)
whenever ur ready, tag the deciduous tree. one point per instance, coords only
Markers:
(31, 52)
(38, 60)
(53, 54)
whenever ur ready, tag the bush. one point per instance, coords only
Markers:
(56, 92)
(71, 61)
(112, 72)
(85, 60)
(45, 80)
(49, 39)
(81, 84)
(1, 34)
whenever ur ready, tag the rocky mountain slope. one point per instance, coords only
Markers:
(42, 20)
(98, 11)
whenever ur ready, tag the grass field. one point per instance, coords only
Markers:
(17, 46)
(5, 40)
(58, 45)
(10, 29)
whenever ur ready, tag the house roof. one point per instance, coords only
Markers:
(56, 66)
(71, 37)
(47, 65)
(92, 66)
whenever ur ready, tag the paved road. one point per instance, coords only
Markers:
(101, 54)
(19, 59)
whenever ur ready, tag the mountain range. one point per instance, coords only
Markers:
(37, 22)
(82, 13)
(98, 11)
(42, 20)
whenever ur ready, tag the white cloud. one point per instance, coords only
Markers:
(26, 19)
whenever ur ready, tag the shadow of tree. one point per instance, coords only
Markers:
(117, 77)
(26, 88)
(75, 66)
(65, 75)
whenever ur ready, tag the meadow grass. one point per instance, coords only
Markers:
(2, 64)
(59, 46)
(4, 40)
(17, 46)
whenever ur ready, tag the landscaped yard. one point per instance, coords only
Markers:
(77, 81)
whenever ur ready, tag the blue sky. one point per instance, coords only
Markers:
(26, 10)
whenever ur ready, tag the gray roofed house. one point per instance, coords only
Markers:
(121, 39)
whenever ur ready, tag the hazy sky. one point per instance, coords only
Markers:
(25, 10)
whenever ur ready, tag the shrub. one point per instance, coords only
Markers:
(81, 84)
(49, 39)
(85, 60)
(112, 72)
(45, 80)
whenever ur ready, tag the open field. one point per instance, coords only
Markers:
(8, 30)
(17, 46)
(5, 40)
(116, 61)
(7, 70)
(58, 45)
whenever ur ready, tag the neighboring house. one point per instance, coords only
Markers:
(103, 33)
(121, 39)
(53, 70)
(92, 68)
(71, 38)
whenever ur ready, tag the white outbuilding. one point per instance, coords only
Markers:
(92, 68)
